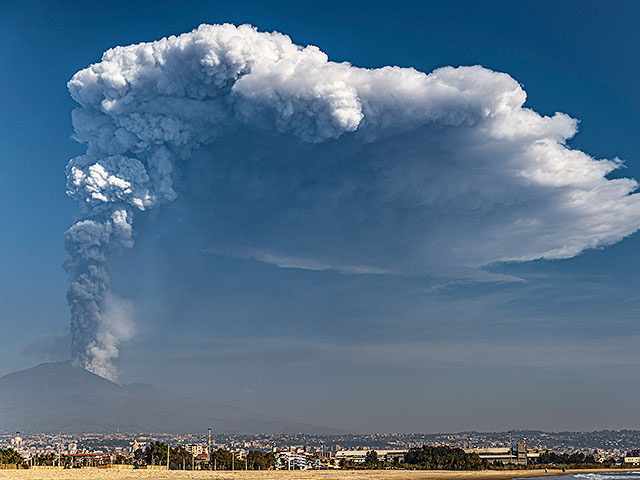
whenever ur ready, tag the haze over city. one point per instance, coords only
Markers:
(341, 216)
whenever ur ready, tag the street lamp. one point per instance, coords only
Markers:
(209, 448)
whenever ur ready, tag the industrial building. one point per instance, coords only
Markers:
(359, 456)
(514, 455)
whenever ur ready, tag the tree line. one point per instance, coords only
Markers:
(552, 458)
(181, 459)
(444, 458)
(454, 458)
(426, 458)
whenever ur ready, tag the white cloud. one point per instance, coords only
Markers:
(284, 261)
(452, 158)
(273, 145)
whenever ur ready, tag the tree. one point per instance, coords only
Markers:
(222, 459)
(550, 457)
(120, 459)
(443, 458)
(258, 460)
(10, 456)
(371, 459)
(156, 454)
(45, 459)
(226, 460)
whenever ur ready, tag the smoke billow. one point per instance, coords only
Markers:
(320, 165)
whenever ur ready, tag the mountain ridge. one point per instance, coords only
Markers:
(61, 397)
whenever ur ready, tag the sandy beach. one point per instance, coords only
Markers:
(113, 474)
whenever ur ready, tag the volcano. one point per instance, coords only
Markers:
(61, 397)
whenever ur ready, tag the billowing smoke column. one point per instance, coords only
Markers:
(455, 170)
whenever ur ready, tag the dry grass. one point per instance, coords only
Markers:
(112, 474)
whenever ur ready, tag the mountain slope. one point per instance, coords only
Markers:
(59, 397)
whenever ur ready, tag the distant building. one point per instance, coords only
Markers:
(196, 449)
(359, 456)
(292, 461)
(16, 441)
(517, 455)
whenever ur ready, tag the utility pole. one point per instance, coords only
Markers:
(209, 448)
(167, 457)
(510, 448)
(233, 461)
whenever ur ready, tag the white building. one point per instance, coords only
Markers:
(292, 461)
(198, 449)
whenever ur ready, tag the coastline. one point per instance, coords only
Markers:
(116, 474)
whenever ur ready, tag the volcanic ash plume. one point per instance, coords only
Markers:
(385, 170)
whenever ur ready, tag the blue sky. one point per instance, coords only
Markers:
(405, 352)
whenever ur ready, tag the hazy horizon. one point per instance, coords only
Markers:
(411, 220)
